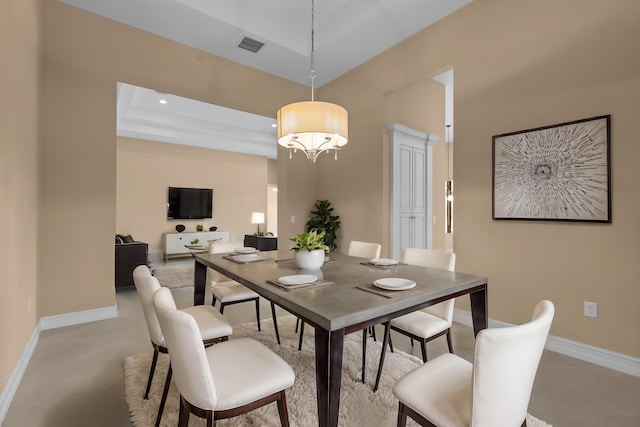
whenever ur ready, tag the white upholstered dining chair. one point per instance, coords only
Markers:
(230, 292)
(493, 391)
(212, 325)
(224, 380)
(431, 322)
(362, 250)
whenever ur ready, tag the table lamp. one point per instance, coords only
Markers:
(257, 218)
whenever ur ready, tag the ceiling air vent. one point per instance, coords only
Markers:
(250, 44)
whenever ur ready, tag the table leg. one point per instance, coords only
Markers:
(329, 348)
(199, 283)
(479, 312)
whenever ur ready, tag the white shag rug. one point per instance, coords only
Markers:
(175, 274)
(359, 405)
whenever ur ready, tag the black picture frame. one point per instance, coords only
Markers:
(560, 172)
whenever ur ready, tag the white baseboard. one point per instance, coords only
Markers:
(78, 317)
(48, 322)
(16, 376)
(598, 356)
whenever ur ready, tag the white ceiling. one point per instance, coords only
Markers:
(347, 34)
(189, 122)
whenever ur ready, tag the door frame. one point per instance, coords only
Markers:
(399, 134)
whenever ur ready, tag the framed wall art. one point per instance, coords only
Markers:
(559, 172)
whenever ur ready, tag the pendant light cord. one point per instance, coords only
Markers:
(312, 71)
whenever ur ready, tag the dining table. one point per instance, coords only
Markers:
(343, 299)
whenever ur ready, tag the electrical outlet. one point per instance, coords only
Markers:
(590, 309)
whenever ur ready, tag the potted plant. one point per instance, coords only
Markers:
(322, 218)
(309, 249)
(199, 227)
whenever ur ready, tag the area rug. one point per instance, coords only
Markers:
(175, 274)
(359, 405)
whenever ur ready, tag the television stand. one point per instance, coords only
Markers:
(183, 244)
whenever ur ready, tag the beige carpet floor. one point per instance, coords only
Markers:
(359, 406)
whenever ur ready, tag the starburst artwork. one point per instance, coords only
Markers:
(559, 172)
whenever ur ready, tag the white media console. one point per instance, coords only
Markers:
(176, 244)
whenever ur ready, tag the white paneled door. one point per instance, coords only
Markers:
(411, 187)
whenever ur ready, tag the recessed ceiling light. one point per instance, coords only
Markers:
(163, 99)
(274, 125)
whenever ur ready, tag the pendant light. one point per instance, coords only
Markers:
(311, 126)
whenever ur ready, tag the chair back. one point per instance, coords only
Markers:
(146, 286)
(218, 248)
(364, 249)
(191, 371)
(430, 258)
(505, 365)
(213, 276)
(442, 260)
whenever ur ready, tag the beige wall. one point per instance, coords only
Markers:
(576, 68)
(272, 172)
(518, 65)
(84, 57)
(358, 183)
(272, 216)
(20, 46)
(146, 168)
(296, 194)
(354, 183)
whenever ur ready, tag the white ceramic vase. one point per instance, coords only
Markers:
(309, 260)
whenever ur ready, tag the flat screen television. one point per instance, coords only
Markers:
(189, 203)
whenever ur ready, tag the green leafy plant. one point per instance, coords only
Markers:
(195, 241)
(310, 241)
(199, 227)
(322, 218)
